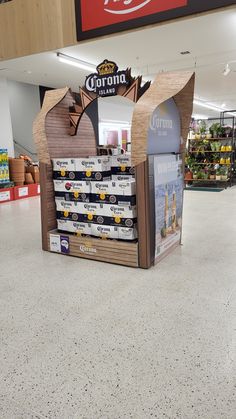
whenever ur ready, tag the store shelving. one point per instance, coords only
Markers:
(211, 152)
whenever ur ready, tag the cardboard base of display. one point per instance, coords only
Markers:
(111, 251)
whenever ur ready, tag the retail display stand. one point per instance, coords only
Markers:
(52, 134)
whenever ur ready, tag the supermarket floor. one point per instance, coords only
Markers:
(87, 340)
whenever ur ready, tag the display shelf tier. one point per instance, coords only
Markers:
(206, 180)
(111, 251)
(216, 152)
(213, 164)
(213, 139)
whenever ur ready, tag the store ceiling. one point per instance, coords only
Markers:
(209, 38)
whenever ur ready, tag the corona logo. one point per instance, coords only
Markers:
(126, 6)
(107, 79)
(88, 250)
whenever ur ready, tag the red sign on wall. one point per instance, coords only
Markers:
(102, 17)
(109, 12)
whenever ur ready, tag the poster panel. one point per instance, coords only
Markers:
(168, 186)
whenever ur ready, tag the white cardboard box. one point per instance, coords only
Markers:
(78, 207)
(118, 211)
(74, 227)
(64, 164)
(93, 164)
(127, 233)
(122, 178)
(121, 160)
(127, 188)
(72, 186)
(105, 210)
(104, 231)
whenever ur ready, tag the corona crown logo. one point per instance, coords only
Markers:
(107, 67)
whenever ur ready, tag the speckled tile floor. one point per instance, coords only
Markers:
(86, 340)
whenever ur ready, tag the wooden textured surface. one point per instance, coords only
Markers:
(48, 206)
(143, 215)
(52, 130)
(52, 138)
(33, 26)
(178, 85)
(111, 251)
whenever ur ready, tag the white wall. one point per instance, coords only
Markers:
(24, 106)
(6, 138)
(115, 108)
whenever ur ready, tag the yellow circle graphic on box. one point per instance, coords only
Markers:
(63, 172)
(117, 220)
(88, 173)
(76, 195)
(90, 217)
(122, 168)
(102, 196)
(66, 213)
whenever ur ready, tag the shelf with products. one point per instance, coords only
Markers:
(210, 153)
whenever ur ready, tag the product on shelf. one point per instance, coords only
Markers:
(72, 190)
(114, 192)
(211, 155)
(101, 208)
(74, 227)
(121, 168)
(94, 168)
(17, 171)
(112, 232)
(4, 167)
(97, 213)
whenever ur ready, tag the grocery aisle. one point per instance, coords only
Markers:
(89, 340)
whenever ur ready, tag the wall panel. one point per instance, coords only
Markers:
(33, 26)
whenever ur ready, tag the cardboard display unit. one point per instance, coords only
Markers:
(160, 124)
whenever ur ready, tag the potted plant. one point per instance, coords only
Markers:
(208, 135)
(202, 128)
(215, 129)
(213, 146)
(218, 174)
(212, 174)
(217, 146)
(224, 173)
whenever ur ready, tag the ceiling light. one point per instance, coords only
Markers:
(199, 117)
(227, 70)
(185, 52)
(207, 106)
(75, 62)
(212, 107)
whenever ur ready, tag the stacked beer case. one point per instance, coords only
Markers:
(96, 196)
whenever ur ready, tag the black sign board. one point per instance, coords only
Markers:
(102, 17)
(107, 80)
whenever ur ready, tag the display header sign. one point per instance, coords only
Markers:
(164, 135)
(103, 17)
(107, 80)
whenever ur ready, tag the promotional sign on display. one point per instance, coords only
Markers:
(102, 17)
(107, 80)
(168, 186)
